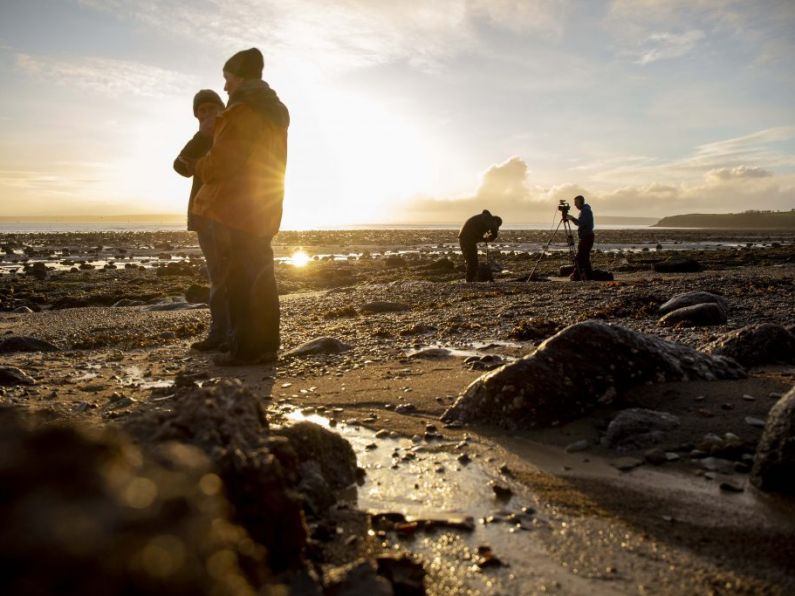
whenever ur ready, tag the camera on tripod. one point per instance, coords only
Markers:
(564, 207)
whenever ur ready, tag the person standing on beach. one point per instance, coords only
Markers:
(243, 191)
(585, 233)
(478, 228)
(206, 106)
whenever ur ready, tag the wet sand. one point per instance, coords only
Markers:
(661, 529)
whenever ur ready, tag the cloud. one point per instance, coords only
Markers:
(666, 46)
(737, 172)
(343, 34)
(106, 76)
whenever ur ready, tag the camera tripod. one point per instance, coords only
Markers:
(569, 240)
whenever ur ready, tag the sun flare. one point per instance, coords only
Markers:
(300, 258)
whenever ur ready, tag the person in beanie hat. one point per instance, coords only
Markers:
(207, 104)
(243, 191)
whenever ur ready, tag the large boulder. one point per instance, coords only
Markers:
(755, 345)
(691, 299)
(774, 461)
(698, 315)
(22, 343)
(228, 424)
(569, 373)
(86, 512)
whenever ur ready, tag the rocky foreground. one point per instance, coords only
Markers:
(513, 437)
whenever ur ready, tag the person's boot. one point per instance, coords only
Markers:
(208, 344)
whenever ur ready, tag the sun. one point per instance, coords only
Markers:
(300, 258)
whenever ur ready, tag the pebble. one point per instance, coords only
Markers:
(580, 445)
(731, 487)
(625, 464)
(755, 422)
(747, 397)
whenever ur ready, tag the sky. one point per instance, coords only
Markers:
(410, 112)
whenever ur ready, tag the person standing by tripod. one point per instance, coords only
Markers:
(585, 233)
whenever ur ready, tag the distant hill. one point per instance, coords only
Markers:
(756, 220)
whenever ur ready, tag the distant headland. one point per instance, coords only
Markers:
(754, 220)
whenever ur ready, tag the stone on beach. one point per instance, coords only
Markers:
(319, 345)
(698, 315)
(774, 461)
(566, 376)
(21, 343)
(675, 265)
(691, 299)
(755, 345)
(639, 428)
(170, 306)
(11, 375)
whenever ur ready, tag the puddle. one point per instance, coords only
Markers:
(134, 377)
(425, 481)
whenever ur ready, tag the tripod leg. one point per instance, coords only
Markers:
(544, 250)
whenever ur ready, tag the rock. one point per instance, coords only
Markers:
(625, 464)
(260, 476)
(691, 299)
(731, 487)
(196, 294)
(581, 445)
(698, 315)
(756, 345)
(357, 579)
(405, 409)
(406, 575)
(21, 343)
(774, 461)
(334, 455)
(534, 328)
(567, 375)
(124, 302)
(431, 354)
(675, 265)
(637, 428)
(382, 307)
(78, 499)
(655, 456)
(319, 345)
(169, 306)
(717, 464)
(443, 265)
(755, 422)
(11, 375)
(23, 310)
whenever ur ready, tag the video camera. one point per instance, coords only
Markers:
(564, 207)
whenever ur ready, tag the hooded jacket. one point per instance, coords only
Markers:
(243, 173)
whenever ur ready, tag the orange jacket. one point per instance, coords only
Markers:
(243, 173)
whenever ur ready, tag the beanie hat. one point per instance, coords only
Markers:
(246, 64)
(206, 96)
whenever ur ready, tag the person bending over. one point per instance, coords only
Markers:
(482, 227)
(585, 233)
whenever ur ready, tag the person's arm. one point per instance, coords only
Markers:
(193, 150)
(232, 144)
(574, 220)
(491, 235)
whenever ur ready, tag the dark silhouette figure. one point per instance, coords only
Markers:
(585, 232)
(482, 227)
(206, 107)
(243, 191)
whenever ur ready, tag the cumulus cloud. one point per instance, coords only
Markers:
(505, 190)
(107, 76)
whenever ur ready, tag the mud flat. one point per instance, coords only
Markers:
(568, 508)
